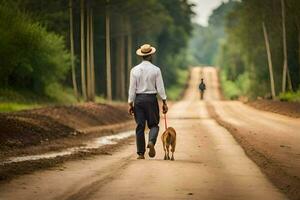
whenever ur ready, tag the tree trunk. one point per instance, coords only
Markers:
(92, 55)
(117, 69)
(108, 61)
(129, 53)
(122, 63)
(299, 48)
(285, 56)
(289, 80)
(269, 60)
(83, 79)
(88, 66)
(72, 51)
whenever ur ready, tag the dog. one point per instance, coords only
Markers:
(169, 139)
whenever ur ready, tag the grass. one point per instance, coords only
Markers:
(290, 96)
(12, 100)
(230, 89)
(175, 91)
(15, 100)
(234, 89)
(12, 106)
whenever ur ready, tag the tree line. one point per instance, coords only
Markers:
(87, 44)
(261, 50)
(256, 45)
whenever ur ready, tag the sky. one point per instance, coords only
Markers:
(203, 9)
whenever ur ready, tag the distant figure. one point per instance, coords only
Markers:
(202, 88)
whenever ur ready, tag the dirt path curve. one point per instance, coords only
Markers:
(209, 165)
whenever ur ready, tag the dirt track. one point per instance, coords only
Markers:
(209, 162)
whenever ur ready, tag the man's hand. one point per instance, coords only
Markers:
(130, 109)
(165, 107)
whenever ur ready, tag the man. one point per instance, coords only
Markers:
(202, 88)
(145, 82)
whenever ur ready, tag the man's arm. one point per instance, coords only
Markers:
(161, 91)
(165, 106)
(131, 93)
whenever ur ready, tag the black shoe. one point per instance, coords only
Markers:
(151, 150)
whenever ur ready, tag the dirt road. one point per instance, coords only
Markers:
(209, 163)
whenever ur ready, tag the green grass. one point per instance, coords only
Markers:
(290, 96)
(234, 89)
(174, 92)
(12, 100)
(12, 106)
(15, 100)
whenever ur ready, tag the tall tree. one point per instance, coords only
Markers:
(108, 61)
(82, 47)
(269, 60)
(286, 73)
(88, 55)
(129, 51)
(72, 50)
(92, 62)
(122, 60)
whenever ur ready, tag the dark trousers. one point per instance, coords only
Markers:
(146, 109)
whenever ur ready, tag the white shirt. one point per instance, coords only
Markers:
(146, 78)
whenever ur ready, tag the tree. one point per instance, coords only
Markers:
(285, 59)
(72, 50)
(41, 65)
(82, 35)
(92, 55)
(269, 60)
(108, 61)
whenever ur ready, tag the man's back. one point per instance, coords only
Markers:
(202, 86)
(145, 74)
(146, 78)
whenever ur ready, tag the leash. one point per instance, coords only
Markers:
(166, 126)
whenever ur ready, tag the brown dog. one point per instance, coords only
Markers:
(169, 139)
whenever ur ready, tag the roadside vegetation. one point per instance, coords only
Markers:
(290, 96)
(175, 92)
(43, 59)
(235, 41)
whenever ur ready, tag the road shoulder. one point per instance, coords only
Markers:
(286, 182)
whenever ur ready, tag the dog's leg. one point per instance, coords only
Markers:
(168, 152)
(173, 150)
(164, 145)
(165, 158)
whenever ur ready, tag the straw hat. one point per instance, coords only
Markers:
(145, 50)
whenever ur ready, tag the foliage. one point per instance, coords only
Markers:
(290, 96)
(31, 57)
(33, 41)
(176, 90)
(234, 89)
(205, 43)
(11, 106)
(243, 50)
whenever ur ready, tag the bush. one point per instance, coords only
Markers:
(290, 96)
(235, 89)
(175, 91)
(31, 57)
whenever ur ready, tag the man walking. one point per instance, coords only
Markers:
(145, 82)
(202, 88)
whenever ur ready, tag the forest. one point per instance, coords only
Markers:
(65, 51)
(256, 46)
